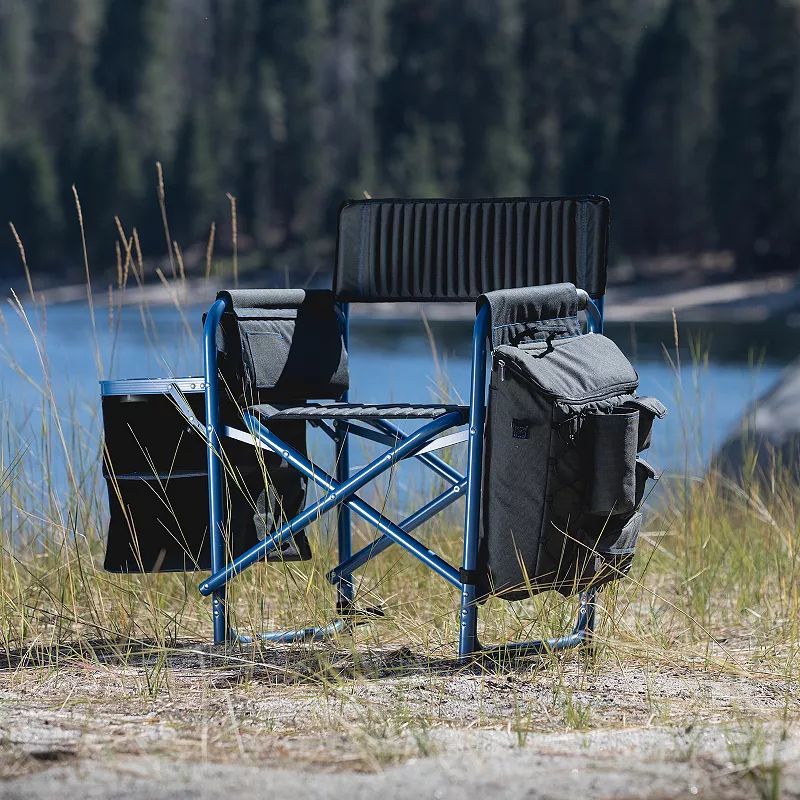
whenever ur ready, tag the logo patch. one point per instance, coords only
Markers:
(519, 430)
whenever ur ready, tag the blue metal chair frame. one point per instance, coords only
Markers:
(340, 493)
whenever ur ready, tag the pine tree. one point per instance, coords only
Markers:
(785, 231)
(16, 44)
(135, 70)
(444, 104)
(63, 89)
(421, 140)
(30, 200)
(232, 91)
(604, 38)
(360, 58)
(265, 134)
(135, 73)
(194, 181)
(294, 33)
(759, 68)
(502, 168)
(112, 182)
(158, 105)
(547, 64)
(666, 145)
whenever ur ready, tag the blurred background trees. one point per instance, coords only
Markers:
(685, 112)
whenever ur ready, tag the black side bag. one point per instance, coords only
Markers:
(562, 482)
(154, 464)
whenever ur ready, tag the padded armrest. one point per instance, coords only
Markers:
(532, 312)
(275, 298)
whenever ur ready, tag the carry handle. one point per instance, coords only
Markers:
(551, 332)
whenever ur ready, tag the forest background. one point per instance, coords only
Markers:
(686, 113)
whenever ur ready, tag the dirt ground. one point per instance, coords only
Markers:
(315, 724)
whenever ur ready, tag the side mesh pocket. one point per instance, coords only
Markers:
(609, 443)
(265, 350)
(284, 354)
(649, 408)
(644, 472)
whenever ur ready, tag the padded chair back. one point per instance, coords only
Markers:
(451, 250)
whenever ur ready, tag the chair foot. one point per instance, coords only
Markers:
(327, 632)
(537, 647)
(351, 618)
(582, 636)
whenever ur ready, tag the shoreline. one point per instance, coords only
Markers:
(747, 300)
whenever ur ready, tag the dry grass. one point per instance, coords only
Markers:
(705, 627)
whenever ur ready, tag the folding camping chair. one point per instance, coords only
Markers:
(406, 251)
(168, 441)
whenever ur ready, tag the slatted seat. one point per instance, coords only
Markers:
(320, 411)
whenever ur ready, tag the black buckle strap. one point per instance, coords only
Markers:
(468, 576)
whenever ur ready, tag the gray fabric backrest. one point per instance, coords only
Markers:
(440, 250)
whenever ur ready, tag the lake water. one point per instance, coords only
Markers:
(392, 360)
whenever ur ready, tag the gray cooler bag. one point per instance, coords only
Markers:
(562, 480)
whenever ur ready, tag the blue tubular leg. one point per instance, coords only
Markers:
(418, 518)
(468, 615)
(215, 475)
(594, 324)
(341, 493)
(591, 607)
(344, 593)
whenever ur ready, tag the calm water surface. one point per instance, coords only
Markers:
(394, 360)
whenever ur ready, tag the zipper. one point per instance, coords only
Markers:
(609, 391)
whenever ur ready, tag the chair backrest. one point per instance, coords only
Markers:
(451, 250)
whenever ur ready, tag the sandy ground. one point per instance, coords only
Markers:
(628, 764)
(199, 725)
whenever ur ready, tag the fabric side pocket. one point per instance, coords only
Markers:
(609, 441)
(649, 408)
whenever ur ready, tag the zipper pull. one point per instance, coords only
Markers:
(598, 563)
(502, 367)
